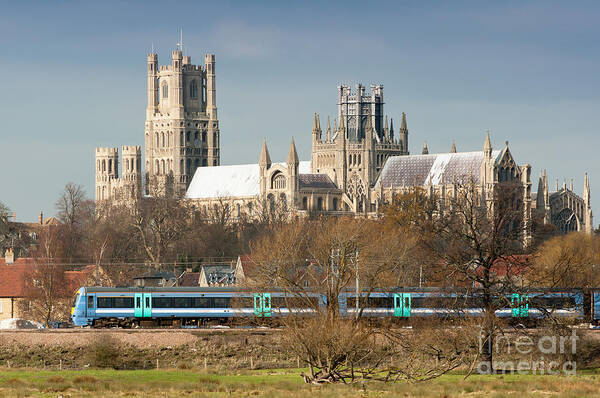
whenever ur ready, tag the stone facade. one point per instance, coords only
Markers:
(181, 130)
(563, 208)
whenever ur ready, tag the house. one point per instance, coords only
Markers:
(243, 269)
(156, 279)
(13, 276)
(217, 275)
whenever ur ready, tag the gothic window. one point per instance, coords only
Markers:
(163, 138)
(278, 181)
(181, 138)
(157, 141)
(304, 203)
(157, 170)
(271, 200)
(188, 165)
(204, 136)
(335, 204)
(237, 210)
(187, 136)
(359, 159)
(162, 164)
(110, 165)
(215, 162)
(165, 91)
(193, 89)
(215, 139)
(104, 165)
(181, 170)
(204, 162)
(283, 200)
(249, 207)
(320, 203)
(196, 164)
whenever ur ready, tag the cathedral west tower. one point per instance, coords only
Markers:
(182, 127)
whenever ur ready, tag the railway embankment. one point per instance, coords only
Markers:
(142, 349)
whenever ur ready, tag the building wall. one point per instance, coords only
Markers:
(9, 308)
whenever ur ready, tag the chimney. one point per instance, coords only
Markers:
(41, 218)
(9, 256)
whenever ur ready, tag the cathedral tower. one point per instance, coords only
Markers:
(182, 128)
(353, 154)
(107, 172)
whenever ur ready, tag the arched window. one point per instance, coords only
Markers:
(278, 181)
(181, 170)
(196, 164)
(193, 89)
(181, 138)
(157, 140)
(214, 139)
(187, 136)
(163, 138)
(283, 200)
(165, 91)
(271, 200)
(157, 170)
(304, 203)
(320, 204)
(204, 136)
(162, 165)
(237, 209)
(188, 165)
(110, 165)
(335, 204)
(103, 165)
(359, 159)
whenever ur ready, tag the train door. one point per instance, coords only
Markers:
(147, 304)
(90, 305)
(402, 305)
(138, 310)
(262, 304)
(520, 305)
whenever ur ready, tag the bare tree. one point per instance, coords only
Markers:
(74, 212)
(471, 236)
(46, 287)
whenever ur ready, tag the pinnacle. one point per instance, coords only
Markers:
(425, 149)
(265, 159)
(453, 148)
(403, 124)
(292, 154)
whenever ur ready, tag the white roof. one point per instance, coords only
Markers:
(241, 180)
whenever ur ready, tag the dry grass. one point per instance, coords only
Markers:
(279, 383)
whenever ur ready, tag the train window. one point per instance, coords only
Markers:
(242, 302)
(138, 302)
(76, 298)
(181, 302)
(123, 302)
(104, 302)
(147, 302)
(162, 302)
(221, 302)
(372, 302)
(202, 302)
(90, 301)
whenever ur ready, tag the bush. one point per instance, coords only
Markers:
(104, 352)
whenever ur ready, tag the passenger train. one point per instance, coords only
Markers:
(195, 306)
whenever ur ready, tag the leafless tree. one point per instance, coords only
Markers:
(471, 236)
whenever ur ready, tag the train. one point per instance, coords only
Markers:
(197, 306)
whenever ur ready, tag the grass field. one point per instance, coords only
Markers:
(277, 383)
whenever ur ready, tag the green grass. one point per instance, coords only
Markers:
(278, 383)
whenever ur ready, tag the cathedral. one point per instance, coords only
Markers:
(357, 163)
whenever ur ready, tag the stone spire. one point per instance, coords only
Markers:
(425, 149)
(316, 128)
(403, 132)
(292, 157)
(487, 147)
(386, 130)
(328, 129)
(453, 147)
(265, 159)
(391, 130)
(571, 185)
(587, 215)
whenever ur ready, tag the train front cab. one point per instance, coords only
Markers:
(81, 315)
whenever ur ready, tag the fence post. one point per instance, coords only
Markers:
(205, 364)
(251, 363)
(156, 363)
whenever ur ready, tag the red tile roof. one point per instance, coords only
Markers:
(12, 277)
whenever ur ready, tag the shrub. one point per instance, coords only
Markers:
(104, 352)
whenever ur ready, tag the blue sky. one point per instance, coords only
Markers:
(73, 78)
